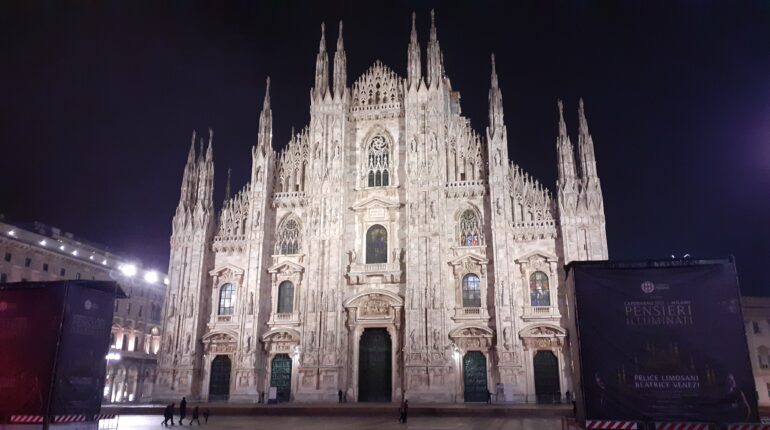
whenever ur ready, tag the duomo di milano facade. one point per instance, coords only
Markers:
(389, 251)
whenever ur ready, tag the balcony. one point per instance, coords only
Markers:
(374, 273)
(283, 319)
(530, 313)
(463, 314)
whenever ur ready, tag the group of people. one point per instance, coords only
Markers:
(168, 414)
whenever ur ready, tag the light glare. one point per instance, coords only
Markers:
(151, 277)
(128, 270)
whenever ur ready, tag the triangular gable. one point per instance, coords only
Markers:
(547, 256)
(237, 271)
(286, 266)
(478, 258)
(375, 201)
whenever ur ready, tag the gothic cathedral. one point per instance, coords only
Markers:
(388, 251)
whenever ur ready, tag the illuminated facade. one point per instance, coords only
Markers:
(388, 251)
(42, 253)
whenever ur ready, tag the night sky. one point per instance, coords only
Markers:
(98, 100)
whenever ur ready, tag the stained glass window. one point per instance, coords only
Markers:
(378, 162)
(471, 291)
(287, 239)
(285, 297)
(376, 244)
(226, 299)
(470, 229)
(539, 292)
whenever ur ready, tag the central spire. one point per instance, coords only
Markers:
(265, 134)
(322, 66)
(495, 103)
(435, 57)
(414, 63)
(340, 67)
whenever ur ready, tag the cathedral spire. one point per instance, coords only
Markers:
(340, 66)
(206, 175)
(227, 185)
(495, 103)
(435, 57)
(414, 63)
(565, 152)
(265, 134)
(322, 66)
(586, 148)
(189, 178)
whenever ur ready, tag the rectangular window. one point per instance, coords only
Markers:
(755, 326)
(140, 310)
(45, 267)
(62, 272)
(3, 278)
(27, 262)
(8, 256)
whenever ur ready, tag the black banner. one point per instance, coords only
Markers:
(81, 367)
(663, 343)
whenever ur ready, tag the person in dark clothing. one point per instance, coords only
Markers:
(182, 410)
(195, 415)
(206, 416)
(168, 414)
(489, 397)
(403, 410)
(339, 394)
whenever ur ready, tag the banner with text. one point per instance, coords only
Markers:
(663, 343)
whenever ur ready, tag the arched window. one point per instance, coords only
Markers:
(226, 299)
(539, 292)
(376, 244)
(285, 297)
(470, 229)
(471, 291)
(378, 162)
(124, 345)
(287, 238)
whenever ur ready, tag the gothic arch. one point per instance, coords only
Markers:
(469, 226)
(377, 160)
(288, 236)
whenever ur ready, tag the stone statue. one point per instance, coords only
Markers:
(311, 341)
(436, 339)
(507, 338)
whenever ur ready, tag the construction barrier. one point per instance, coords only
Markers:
(604, 424)
(748, 426)
(683, 426)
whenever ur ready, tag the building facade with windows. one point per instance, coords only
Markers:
(38, 252)
(389, 251)
(756, 315)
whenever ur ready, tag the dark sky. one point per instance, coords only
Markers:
(98, 100)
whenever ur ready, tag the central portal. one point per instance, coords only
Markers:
(374, 366)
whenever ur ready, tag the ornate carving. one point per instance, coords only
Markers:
(374, 307)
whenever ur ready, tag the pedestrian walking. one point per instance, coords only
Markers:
(339, 395)
(489, 397)
(206, 416)
(182, 410)
(195, 415)
(168, 414)
(403, 410)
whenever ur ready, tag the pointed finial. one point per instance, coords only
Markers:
(322, 44)
(432, 25)
(414, 22)
(494, 72)
(266, 102)
(227, 186)
(562, 124)
(582, 118)
(339, 38)
(191, 154)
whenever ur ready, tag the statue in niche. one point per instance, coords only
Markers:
(256, 220)
(352, 255)
(497, 157)
(312, 301)
(396, 254)
(498, 206)
(188, 343)
(248, 344)
(330, 339)
(433, 210)
(189, 307)
(507, 338)
(251, 303)
(412, 338)
(436, 339)
(311, 341)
